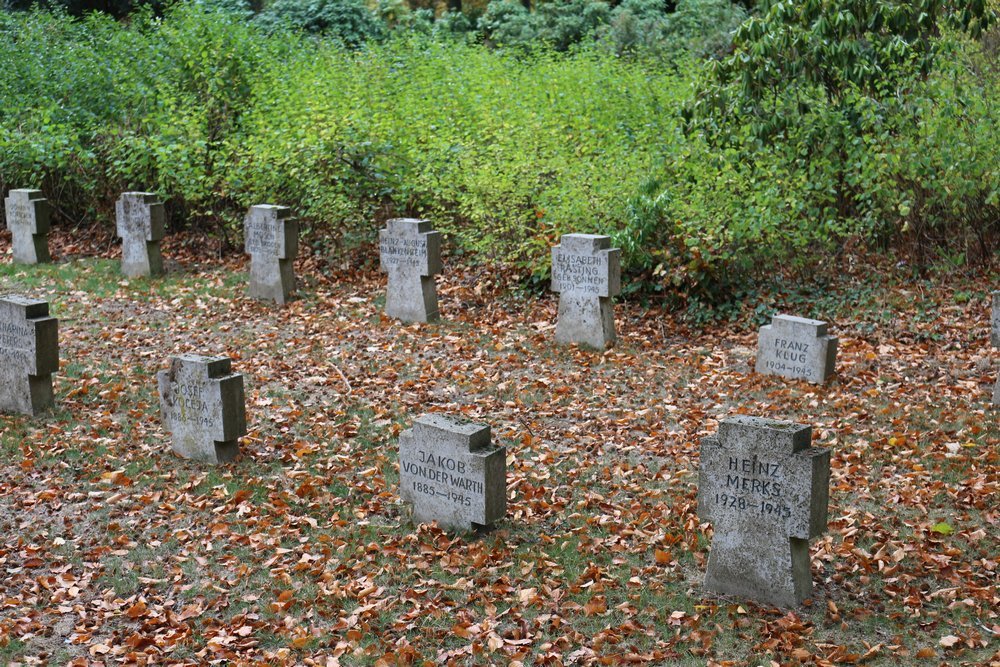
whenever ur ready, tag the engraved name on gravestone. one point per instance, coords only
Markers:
(450, 473)
(765, 490)
(272, 240)
(29, 354)
(410, 252)
(586, 272)
(203, 407)
(140, 221)
(28, 214)
(797, 348)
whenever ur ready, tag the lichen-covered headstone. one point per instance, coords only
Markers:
(586, 272)
(29, 354)
(796, 348)
(140, 220)
(450, 473)
(765, 490)
(410, 252)
(28, 214)
(203, 407)
(272, 240)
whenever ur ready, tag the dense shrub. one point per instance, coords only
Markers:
(348, 21)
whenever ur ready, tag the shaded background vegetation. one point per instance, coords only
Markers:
(715, 141)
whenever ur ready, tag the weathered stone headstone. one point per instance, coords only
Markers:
(586, 272)
(765, 490)
(28, 214)
(203, 407)
(141, 228)
(450, 473)
(797, 348)
(272, 240)
(29, 354)
(410, 252)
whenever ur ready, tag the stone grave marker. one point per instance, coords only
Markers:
(410, 253)
(29, 354)
(28, 214)
(203, 407)
(272, 241)
(450, 473)
(141, 227)
(765, 490)
(796, 348)
(586, 272)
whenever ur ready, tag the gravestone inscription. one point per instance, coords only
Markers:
(28, 214)
(410, 253)
(765, 490)
(796, 348)
(586, 272)
(203, 407)
(272, 240)
(450, 473)
(140, 223)
(29, 354)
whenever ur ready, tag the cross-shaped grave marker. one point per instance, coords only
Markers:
(410, 253)
(140, 222)
(203, 407)
(28, 214)
(797, 348)
(450, 473)
(272, 240)
(765, 490)
(586, 272)
(29, 354)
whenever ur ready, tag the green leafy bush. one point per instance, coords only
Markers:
(348, 21)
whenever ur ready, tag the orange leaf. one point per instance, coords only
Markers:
(662, 557)
(136, 610)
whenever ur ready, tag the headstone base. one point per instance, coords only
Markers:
(413, 302)
(586, 321)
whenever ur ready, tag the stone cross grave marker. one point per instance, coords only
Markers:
(272, 240)
(203, 407)
(765, 490)
(141, 227)
(586, 272)
(796, 348)
(29, 354)
(410, 252)
(450, 473)
(28, 214)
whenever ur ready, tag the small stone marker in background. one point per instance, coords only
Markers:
(450, 473)
(28, 214)
(586, 272)
(410, 252)
(29, 354)
(203, 407)
(765, 490)
(141, 228)
(272, 240)
(797, 348)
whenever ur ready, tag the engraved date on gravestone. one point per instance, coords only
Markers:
(580, 273)
(190, 406)
(260, 236)
(442, 476)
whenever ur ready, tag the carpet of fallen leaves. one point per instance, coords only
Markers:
(114, 551)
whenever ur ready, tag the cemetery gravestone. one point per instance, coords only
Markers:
(28, 216)
(450, 473)
(796, 348)
(586, 272)
(995, 337)
(29, 354)
(765, 490)
(140, 220)
(203, 407)
(272, 240)
(410, 253)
